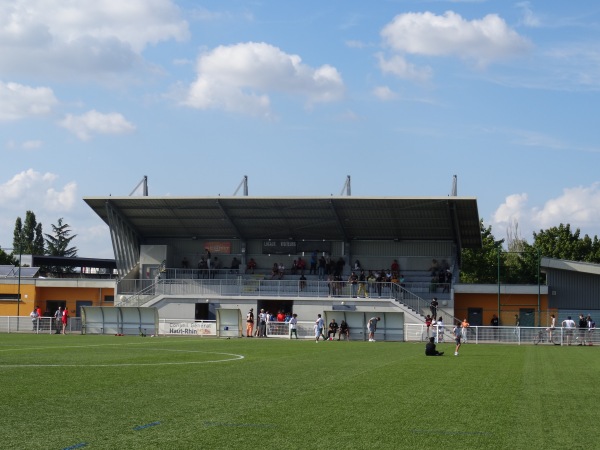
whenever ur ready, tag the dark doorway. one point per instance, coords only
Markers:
(203, 312)
(79, 304)
(274, 306)
(527, 317)
(52, 306)
(475, 317)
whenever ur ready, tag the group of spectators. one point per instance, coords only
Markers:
(441, 275)
(363, 284)
(584, 328)
(341, 330)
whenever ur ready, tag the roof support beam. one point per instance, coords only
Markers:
(339, 222)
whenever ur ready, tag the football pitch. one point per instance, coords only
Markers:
(109, 392)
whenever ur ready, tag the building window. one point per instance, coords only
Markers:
(109, 299)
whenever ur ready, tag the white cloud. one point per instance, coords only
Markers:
(93, 122)
(37, 192)
(397, 65)
(240, 77)
(483, 41)
(578, 206)
(37, 189)
(31, 145)
(384, 93)
(529, 18)
(57, 36)
(18, 101)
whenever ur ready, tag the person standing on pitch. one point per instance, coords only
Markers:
(372, 327)
(319, 324)
(569, 324)
(249, 322)
(552, 326)
(58, 319)
(65, 320)
(293, 326)
(457, 336)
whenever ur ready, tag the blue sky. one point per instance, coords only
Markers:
(400, 95)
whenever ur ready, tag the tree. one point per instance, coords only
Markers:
(560, 242)
(7, 259)
(57, 244)
(480, 265)
(18, 236)
(28, 238)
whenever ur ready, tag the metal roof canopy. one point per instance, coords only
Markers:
(63, 261)
(297, 218)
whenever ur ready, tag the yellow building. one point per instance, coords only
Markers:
(50, 293)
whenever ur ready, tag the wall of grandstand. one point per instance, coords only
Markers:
(307, 309)
(375, 255)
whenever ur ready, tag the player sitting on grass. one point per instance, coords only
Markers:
(430, 348)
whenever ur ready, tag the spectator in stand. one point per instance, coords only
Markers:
(322, 268)
(357, 267)
(301, 266)
(447, 280)
(288, 317)
(251, 266)
(371, 280)
(379, 280)
(281, 271)
(344, 330)
(337, 285)
(216, 267)
(395, 267)
(184, 263)
(313, 263)
(302, 283)
(353, 281)
(281, 316)
(333, 328)
(235, 265)
(274, 271)
(433, 306)
(294, 268)
(362, 285)
(433, 269)
(495, 322)
(203, 267)
(331, 284)
(402, 281)
(430, 349)
(339, 266)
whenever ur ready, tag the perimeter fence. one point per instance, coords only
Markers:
(504, 335)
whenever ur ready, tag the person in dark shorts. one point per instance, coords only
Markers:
(457, 337)
(344, 330)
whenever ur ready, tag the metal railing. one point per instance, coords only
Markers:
(505, 335)
(42, 325)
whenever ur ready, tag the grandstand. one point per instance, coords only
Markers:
(159, 242)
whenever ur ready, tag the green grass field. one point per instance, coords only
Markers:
(112, 392)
